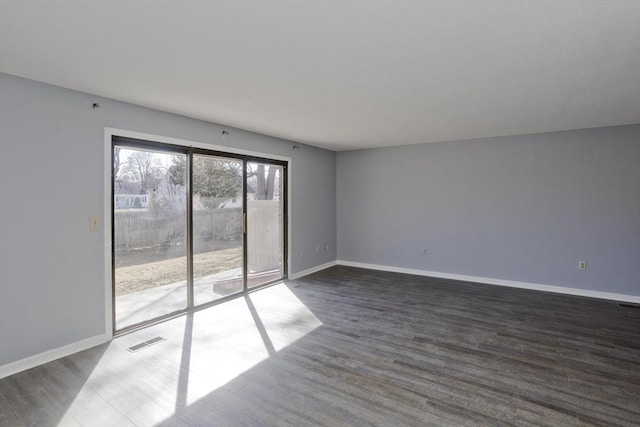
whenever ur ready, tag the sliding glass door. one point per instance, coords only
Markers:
(149, 235)
(217, 227)
(191, 228)
(265, 222)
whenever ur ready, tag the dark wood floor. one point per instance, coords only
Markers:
(348, 346)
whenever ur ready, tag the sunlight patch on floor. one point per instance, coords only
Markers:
(203, 352)
(292, 321)
(250, 329)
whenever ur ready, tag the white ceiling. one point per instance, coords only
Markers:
(343, 74)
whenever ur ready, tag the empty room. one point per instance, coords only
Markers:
(257, 213)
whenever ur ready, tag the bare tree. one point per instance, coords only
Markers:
(116, 166)
(143, 168)
(116, 161)
(265, 184)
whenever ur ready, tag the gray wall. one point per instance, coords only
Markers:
(524, 208)
(52, 180)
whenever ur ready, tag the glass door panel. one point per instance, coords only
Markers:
(217, 227)
(149, 234)
(265, 223)
(190, 227)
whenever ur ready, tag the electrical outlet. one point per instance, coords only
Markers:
(582, 265)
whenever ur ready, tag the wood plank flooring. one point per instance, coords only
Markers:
(348, 346)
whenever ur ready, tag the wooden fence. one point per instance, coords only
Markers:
(148, 230)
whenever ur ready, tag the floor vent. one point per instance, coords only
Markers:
(629, 304)
(145, 344)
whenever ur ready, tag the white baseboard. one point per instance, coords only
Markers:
(312, 270)
(48, 356)
(498, 282)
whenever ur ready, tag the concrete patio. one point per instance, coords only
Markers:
(150, 303)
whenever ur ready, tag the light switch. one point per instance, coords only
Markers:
(94, 223)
